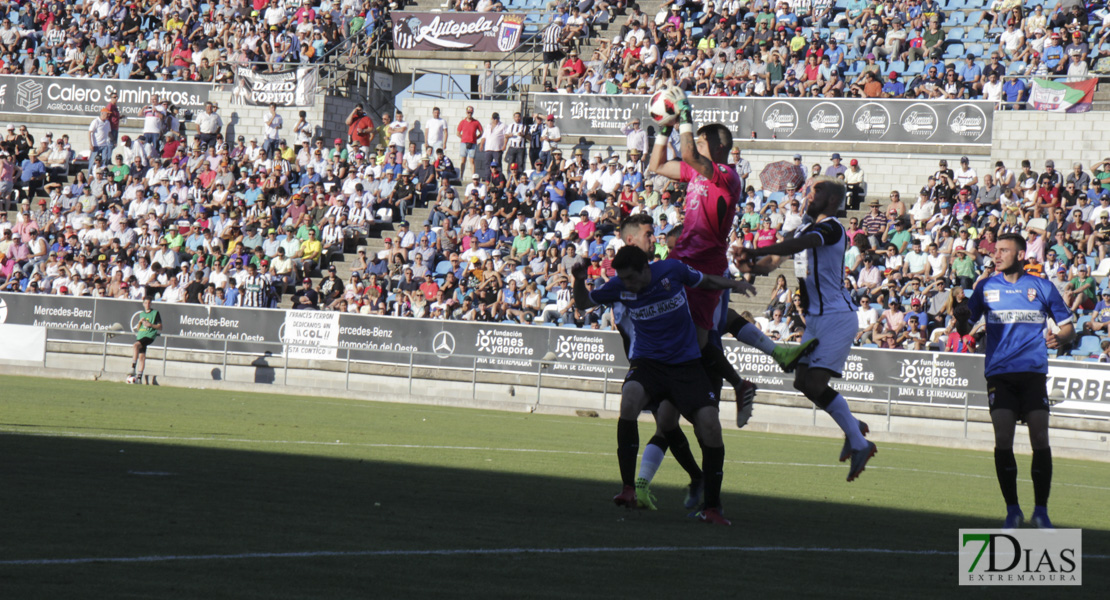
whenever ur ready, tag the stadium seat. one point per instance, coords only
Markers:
(976, 4)
(956, 18)
(897, 65)
(776, 197)
(915, 68)
(1102, 270)
(1088, 345)
(954, 51)
(975, 34)
(955, 34)
(576, 207)
(1015, 68)
(442, 267)
(974, 49)
(973, 17)
(954, 5)
(1082, 321)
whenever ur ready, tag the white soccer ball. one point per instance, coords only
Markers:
(662, 108)
(130, 379)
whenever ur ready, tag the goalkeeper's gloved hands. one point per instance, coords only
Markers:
(682, 103)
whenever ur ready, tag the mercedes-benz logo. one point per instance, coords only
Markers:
(443, 344)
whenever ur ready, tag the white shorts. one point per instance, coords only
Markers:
(835, 333)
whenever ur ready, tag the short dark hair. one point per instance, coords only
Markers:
(630, 257)
(635, 221)
(1015, 238)
(719, 138)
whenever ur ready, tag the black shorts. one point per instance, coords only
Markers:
(551, 57)
(144, 342)
(685, 385)
(1022, 393)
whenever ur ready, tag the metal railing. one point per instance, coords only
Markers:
(883, 399)
(345, 352)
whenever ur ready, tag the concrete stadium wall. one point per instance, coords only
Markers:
(912, 424)
(1062, 137)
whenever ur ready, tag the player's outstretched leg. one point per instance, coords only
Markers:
(1005, 465)
(814, 384)
(786, 357)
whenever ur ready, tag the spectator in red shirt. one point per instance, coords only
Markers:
(573, 68)
(469, 131)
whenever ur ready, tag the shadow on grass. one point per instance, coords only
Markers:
(73, 498)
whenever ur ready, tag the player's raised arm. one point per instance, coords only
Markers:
(581, 294)
(686, 142)
(716, 282)
(658, 162)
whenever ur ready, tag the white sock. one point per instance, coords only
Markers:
(650, 461)
(839, 411)
(752, 336)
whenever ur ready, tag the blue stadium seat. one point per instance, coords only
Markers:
(954, 4)
(1081, 321)
(916, 68)
(1015, 68)
(442, 267)
(955, 34)
(1088, 345)
(973, 17)
(956, 18)
(954, 51)
(976, 4)
(975, 34)
(576, 207)
(776, 197)
(897, 65)
(975, 49)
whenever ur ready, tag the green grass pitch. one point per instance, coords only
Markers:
(374, 500)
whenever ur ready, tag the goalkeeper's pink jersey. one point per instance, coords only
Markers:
(704, 238)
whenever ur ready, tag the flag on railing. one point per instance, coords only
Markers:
(1061, 96)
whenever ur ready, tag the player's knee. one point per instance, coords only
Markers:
(823, 398)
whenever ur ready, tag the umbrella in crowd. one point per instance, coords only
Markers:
(777, 175)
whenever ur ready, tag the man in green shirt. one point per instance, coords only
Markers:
(524, 244)
(146, 331)
(1082, 290)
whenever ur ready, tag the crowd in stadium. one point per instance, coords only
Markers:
(175, 41)
(253, 224)
(854, 48)
(190, 217)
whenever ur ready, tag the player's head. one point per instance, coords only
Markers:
(825, 196)
(715, 141)
(672, 236)
(637, 231)
(146, 302)
(1009, 253)
(631, 265)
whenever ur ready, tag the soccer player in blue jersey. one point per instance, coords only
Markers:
(665, 362)
(1016, 306)
(818, 248)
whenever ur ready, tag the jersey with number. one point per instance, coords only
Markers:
(657, 318)
(706, 224)
(820, 270)
(1016, 315)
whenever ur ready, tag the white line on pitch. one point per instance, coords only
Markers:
(465, 552)
(481, 552)
(76, 434)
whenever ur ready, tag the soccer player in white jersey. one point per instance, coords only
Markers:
(818, 248)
